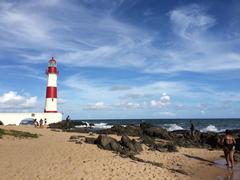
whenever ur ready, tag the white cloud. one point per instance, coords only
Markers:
(131, 105)
(164, 101)
(96, 106)
(11, 101)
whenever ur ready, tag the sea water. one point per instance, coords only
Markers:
(204, 125)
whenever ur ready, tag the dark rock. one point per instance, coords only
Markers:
(105, 142)
(138, 146)
(210, 138)
(130, 146)
(61, 125)
(237, 156)
(171, 147)
(1, 123)
(144, 125)
(147, 140)
(91, 124)
(125, 140)
(80, 130)
(238, 143)
(129, 130)
(76, 137)
(90, 140)
(157, 132)
(78, 141)
(115, 146)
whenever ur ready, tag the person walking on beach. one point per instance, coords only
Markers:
(228, 143)
(68, 122)
(41, 123)
(35, 123)
(192, 129)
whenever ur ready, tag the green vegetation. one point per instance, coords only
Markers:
(19, 134)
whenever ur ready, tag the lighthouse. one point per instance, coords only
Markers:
(51, 91)
(50, 114)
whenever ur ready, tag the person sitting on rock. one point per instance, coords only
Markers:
(228, 143)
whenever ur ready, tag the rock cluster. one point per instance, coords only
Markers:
(149, 136)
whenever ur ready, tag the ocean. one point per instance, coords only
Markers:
(204, 125)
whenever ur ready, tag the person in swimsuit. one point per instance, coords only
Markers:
(229, 143)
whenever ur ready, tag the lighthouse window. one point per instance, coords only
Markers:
(52, 64)
(52, 99)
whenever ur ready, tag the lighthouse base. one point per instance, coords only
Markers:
(16, 118)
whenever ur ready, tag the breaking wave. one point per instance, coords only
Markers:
(172, 127)
(96, 126)
(211, 128)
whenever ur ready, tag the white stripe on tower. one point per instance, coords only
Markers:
(51, 91)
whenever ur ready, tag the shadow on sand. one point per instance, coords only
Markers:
(200, 159)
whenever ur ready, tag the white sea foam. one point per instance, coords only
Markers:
(97, 125)
(102, 126)
(173, 127)
(211, 128)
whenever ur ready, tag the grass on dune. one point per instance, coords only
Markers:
(19, 134)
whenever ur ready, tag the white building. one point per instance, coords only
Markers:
(50, 114)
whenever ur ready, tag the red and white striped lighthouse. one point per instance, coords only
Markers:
(51, 92)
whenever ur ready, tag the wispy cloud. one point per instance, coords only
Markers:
(102, 40)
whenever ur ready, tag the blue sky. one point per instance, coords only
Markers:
(122, 58)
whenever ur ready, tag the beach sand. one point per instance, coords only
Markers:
(52, 156)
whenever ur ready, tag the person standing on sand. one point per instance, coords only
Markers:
(68, 122)
(192, 129)
(35, 123)
(41, 123)
(228, 143)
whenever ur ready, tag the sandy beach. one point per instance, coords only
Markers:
(52, 156)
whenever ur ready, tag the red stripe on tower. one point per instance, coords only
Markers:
(51, 92)
(52, 70)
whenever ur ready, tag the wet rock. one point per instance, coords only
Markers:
(237, 156)
(157, 132)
